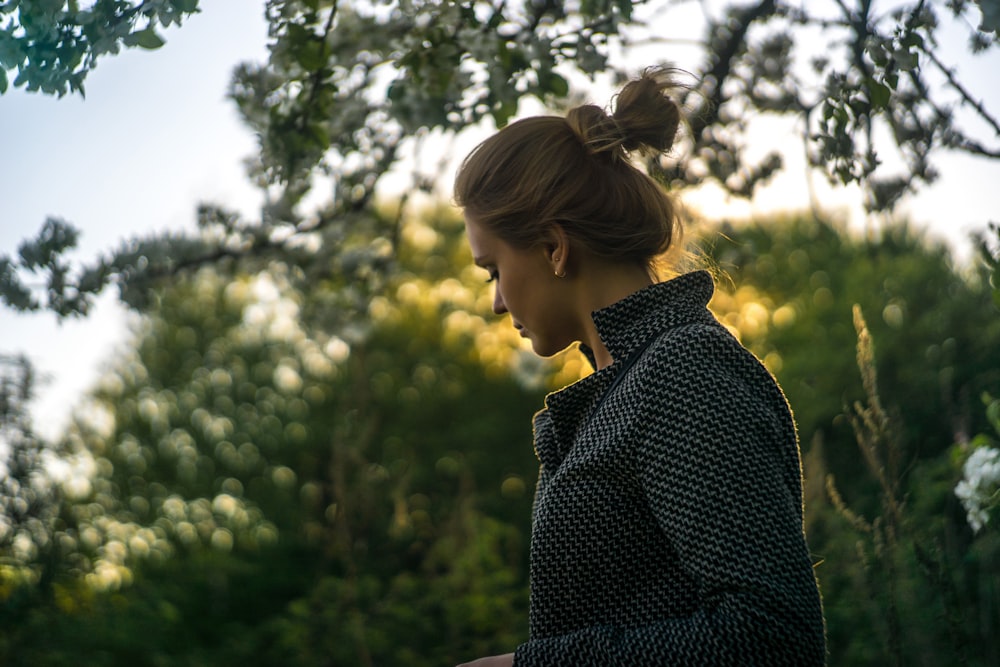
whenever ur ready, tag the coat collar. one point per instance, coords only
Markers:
(628, 323)
(623, 327)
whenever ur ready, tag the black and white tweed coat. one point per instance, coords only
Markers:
(667, 526)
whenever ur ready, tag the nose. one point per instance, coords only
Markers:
(499, 307)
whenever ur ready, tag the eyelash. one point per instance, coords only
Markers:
(494, 275)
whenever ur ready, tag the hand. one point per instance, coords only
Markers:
(506, 660)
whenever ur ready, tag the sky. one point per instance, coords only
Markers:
(156, 135)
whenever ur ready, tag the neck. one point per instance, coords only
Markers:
(599, 288)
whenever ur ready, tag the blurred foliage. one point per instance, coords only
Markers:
(312, 456)
(28, 506)
(903, 580)
(265, 491)
(935, 327)
(353, 91)
(261, 482)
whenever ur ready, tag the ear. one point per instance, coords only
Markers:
(557, 249)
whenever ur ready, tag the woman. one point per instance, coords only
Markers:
(667, 527)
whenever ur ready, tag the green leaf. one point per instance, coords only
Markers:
(991, 16)
(879, 94)
(3, 81)
(148, 39)
(503, 111)
(907, 59)
(558, 86)
(311, 56)
(912, 39)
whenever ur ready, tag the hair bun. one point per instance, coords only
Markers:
(648, 118)
(645, 119)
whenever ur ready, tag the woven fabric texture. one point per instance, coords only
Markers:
(667, 527)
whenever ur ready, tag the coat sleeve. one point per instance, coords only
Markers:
(719, 467)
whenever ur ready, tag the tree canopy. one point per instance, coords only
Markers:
(252, 485)
(350, 88)
(276, 473)
(52, 45)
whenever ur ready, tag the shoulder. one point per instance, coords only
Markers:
(696, 345)
(706, 362)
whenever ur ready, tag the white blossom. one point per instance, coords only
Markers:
(979, 489)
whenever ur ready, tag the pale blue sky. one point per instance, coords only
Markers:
(156, 136)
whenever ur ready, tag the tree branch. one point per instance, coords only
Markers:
(721, 69)
(966, 95)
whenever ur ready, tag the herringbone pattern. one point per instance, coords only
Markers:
(668, 525)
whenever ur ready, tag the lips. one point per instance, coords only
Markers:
(521, 330)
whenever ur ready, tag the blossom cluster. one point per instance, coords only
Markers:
(979, 489)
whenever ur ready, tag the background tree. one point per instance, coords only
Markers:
(52, 45)
(362, 497)
(888, 532)
(278, 434)
(264, 492)
(349, 89)
(797, 281)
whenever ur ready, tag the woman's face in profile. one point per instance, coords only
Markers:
(527, 288)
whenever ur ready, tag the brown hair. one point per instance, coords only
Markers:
(576, 172)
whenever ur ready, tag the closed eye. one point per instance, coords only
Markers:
(494, 275)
